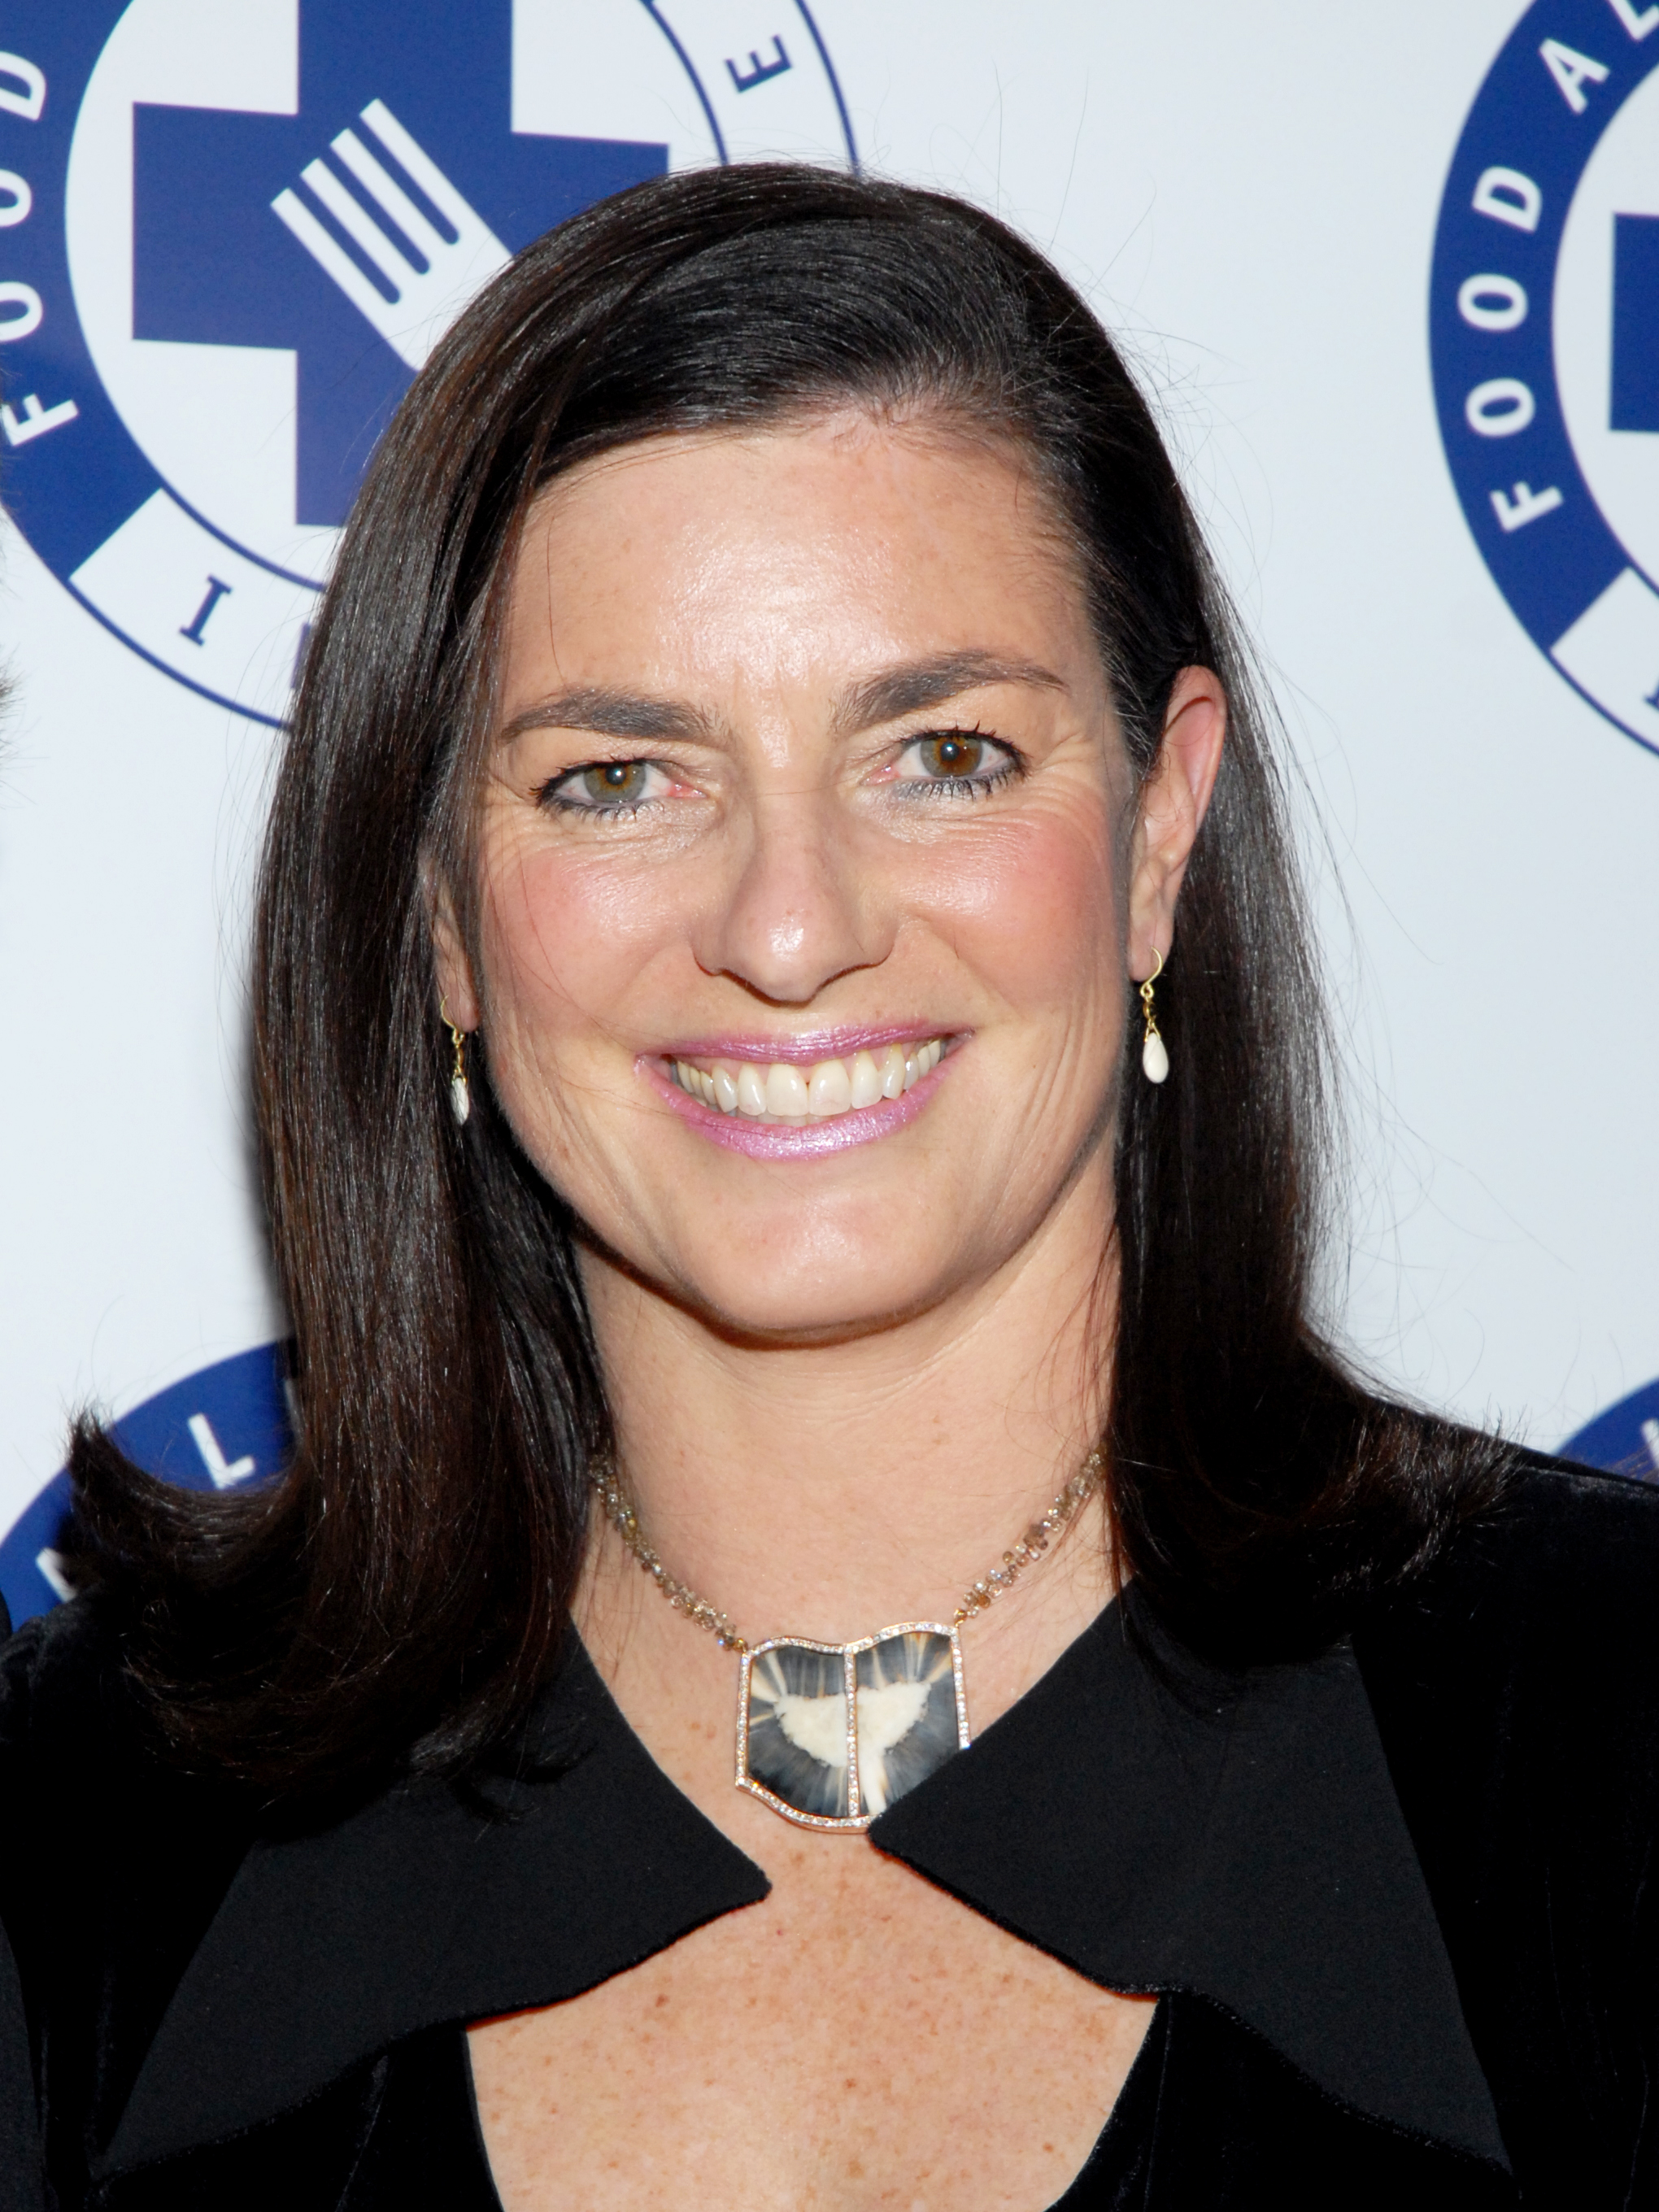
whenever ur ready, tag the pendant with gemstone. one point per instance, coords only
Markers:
(829, 1734)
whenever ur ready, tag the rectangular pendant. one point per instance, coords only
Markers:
(828, 1735)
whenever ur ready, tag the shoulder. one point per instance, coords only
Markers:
(1555, 1515)
(1530, 1638)
(66, 1702)
(60, 1680)
(111, 1861)
(82, 1767)
(1553, 1584)
(90, 1805)
(1515, 1692)
(1513, 1680)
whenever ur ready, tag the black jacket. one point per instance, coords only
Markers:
(1402, 1902)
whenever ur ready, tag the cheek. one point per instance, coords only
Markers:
(1035, 911)
(567, 935)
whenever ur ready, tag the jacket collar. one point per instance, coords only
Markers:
(1157, 1827)
(429, 1905)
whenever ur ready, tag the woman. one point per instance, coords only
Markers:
(789, 1056)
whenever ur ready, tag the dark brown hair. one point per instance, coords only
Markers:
(400, 1594)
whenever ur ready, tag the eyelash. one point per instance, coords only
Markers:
(931, 787)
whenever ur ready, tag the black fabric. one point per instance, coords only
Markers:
(1517, 1694)
(395, 2131)
(22, 2177)
(425, 1907)
(111, 1872)
(1235, 1836)
(218, 2016)
(1212, 2119)
(22, 2180)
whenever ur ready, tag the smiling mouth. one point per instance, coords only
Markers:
(779, 1092)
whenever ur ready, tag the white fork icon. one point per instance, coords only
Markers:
(426, 301)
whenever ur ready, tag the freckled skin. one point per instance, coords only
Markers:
(985, 2070)
(839, 1389)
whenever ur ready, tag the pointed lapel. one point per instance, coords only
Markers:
(421, 1909)
(1155, 1826)
(1160, 1826)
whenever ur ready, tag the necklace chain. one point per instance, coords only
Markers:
(1025, 1553)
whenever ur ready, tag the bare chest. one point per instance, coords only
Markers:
(857, 2040)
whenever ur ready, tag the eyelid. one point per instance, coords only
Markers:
(618, 759)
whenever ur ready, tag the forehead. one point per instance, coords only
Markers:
(745, 556)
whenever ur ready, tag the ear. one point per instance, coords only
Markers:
(1173, 801)
(454, 968)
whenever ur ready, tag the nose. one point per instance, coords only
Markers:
(800, 906)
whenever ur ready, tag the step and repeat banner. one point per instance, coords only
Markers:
(1391, 276)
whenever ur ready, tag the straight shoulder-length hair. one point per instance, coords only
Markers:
(398, 1597)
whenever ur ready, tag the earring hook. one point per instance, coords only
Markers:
(460, 1097)
(1154, 1053)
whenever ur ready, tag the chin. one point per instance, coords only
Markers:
(815, 1303)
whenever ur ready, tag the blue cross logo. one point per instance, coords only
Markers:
(329, 183)
(345, 231)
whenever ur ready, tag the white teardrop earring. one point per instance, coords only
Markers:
(461, 1097)
(1154, 1053)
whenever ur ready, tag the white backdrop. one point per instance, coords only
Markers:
(1250, 196)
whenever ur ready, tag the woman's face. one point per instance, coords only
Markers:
(806, 850)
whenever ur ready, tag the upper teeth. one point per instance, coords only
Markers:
(783, 1093)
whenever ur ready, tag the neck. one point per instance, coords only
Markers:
(829, 1489)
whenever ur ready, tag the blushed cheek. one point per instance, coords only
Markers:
(556, 970)
(1036, 913)
(565, 938)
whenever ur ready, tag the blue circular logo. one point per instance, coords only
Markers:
(1544, 337)
(1624, 1440)
(227, 1424)
(231, 233)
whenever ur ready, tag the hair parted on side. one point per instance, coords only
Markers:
(398, 1597)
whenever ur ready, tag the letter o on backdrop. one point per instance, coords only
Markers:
(1500, 407)
(1492, 302)
(21, 312)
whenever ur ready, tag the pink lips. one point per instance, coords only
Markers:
(782, 1140)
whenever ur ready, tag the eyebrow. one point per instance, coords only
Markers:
(908, 689)
(611, 714)
(915, 684)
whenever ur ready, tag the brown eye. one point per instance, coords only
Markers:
(607, 791)
(615, 782)
(952, 755)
